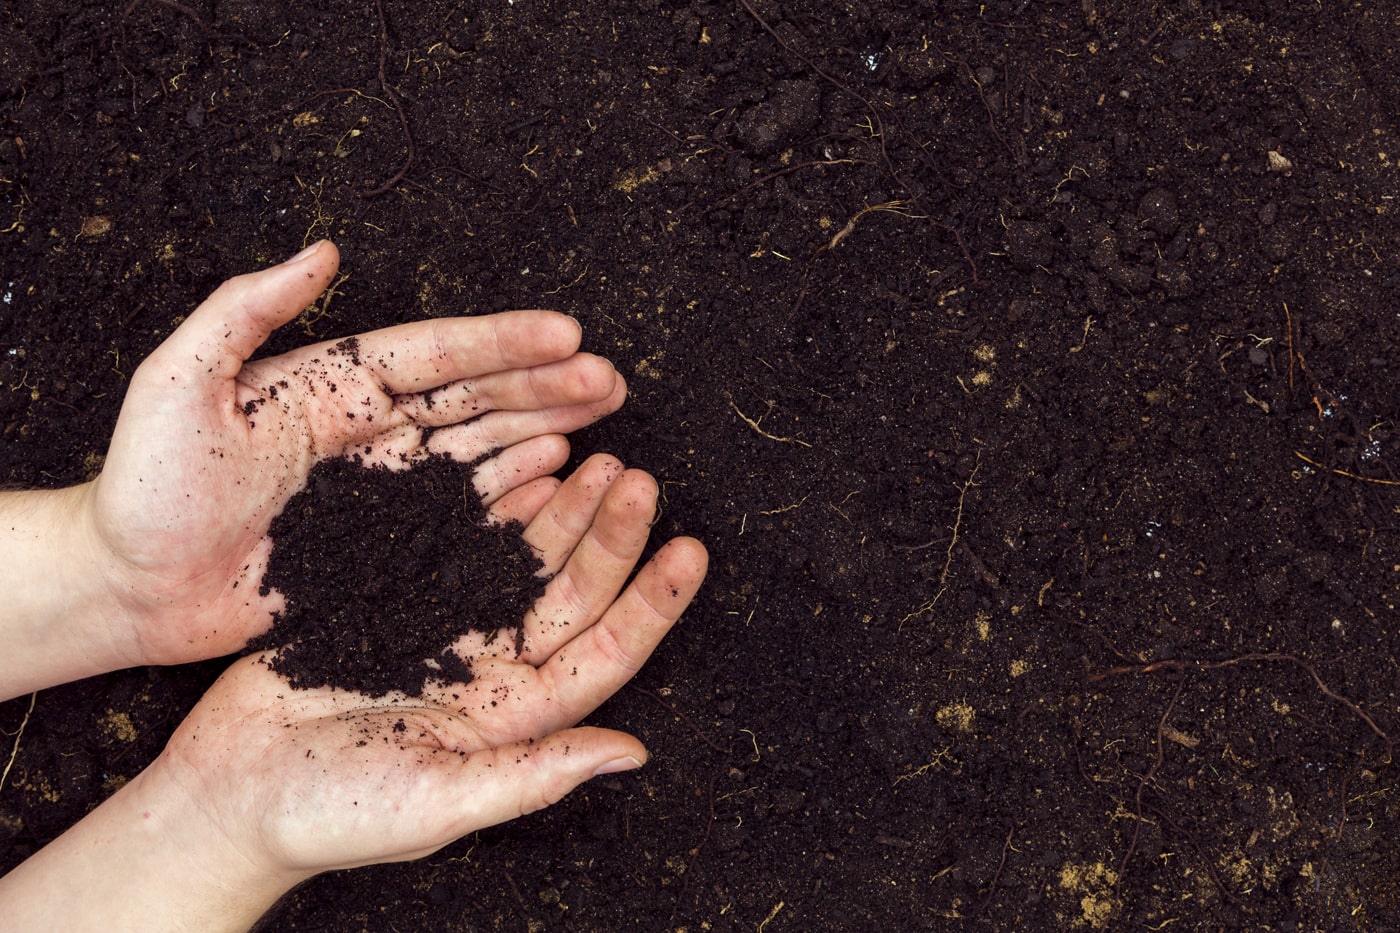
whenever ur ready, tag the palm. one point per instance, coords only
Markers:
(331, 778)
(209, 448)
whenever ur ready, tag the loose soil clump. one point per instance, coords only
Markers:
(383, 570)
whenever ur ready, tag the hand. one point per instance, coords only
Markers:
(263, 786)
(209, 447)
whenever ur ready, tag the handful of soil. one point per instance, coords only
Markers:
(383, 570)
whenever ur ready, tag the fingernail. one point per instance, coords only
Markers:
(305, 254)
(618, 764)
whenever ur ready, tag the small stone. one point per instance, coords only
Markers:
(95, 226)
(1277, 163)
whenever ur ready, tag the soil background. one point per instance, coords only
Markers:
(1028, 369)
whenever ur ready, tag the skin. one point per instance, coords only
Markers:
(263, 786)
(157, 560)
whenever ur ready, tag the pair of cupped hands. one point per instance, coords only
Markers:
(263, 786)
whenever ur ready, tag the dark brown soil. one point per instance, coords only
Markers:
(1027, 368)
(382, 571)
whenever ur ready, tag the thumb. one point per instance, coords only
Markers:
(513, 780)
(219, 336)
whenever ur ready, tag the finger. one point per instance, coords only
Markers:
(523, 503)
(500, 429)
(559, 527)
(537, 455)
(509, 781)
(581, 379)
(615, 541)
(596, 567)
(518, 465)
(424, 355)
(219, 336)
(591, 667)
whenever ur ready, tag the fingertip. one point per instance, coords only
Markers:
(320, 260)
(616, 765)
(682, 564)
(548, 334)
(594, 378)
(519, 464)
(607, 751)
(691, 552)
(523, 503)
(648, 486)
(582, 752)
(633, 498)
(306, 253)
(328, 257)
(601, 466)
(641, 481)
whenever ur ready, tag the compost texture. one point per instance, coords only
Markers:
(1028, 370)
(382, 571)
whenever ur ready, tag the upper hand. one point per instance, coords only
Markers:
(209, 446)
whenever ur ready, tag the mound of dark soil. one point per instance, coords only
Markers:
(383, 570)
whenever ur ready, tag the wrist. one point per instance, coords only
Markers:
(206, 848)
(60, 622)
(148, 859)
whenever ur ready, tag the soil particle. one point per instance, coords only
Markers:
(1159, 213)
(791, 110)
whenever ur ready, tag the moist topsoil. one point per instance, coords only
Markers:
(1027, 368)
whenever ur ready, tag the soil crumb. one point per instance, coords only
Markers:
(384, 570)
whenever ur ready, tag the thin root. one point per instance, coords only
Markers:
(1176, 665)
(772, 437)
(393, 96)
(891, 207)
(1348, 475)
(19, 734)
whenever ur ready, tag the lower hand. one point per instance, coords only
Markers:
(264, 786)
(306, 781)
